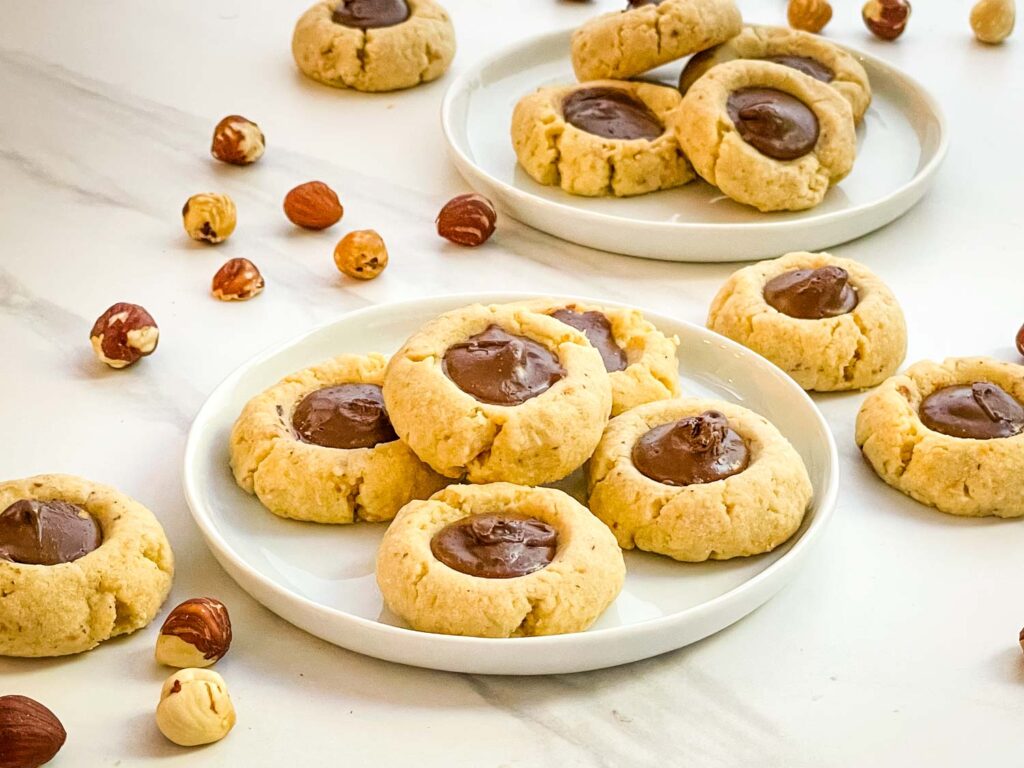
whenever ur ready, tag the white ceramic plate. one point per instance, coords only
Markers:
(321, 578)
(901, 143)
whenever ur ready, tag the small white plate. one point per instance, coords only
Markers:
(321, 578)
(901, 143)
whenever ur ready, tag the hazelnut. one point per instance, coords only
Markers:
(30, 734)
(886, 18)
(361, 254)
(1020, 639)
(313, 205)
(238, 280)
(809, 15)
(195, 634)
(124, 334)
(1020, 340)
(210, 217)
(467, 220)
(237, 140)
(993, 20)
(195, 708)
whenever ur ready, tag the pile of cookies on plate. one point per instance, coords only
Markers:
(765, 114)
(452, 438)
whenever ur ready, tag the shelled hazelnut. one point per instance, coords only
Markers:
(237, 280)
(361, 254)
(313, 205)
(809, 15)
(123, 335)
(209, 216)
(993, 20)
(30, 734)
(1020, 340)
(886, 18)
(196, 633)
(467, 220)
(237, 140)
(195, 708)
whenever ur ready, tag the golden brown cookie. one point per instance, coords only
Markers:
(499, 560)
(914, 430)
(623, 148)
(845, 329)
(318, 446)
(811, 54)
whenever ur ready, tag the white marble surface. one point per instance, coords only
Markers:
(895, 647)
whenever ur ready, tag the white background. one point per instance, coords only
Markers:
(896, 646)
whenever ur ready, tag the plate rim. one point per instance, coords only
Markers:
(462, 160)
(220, 548)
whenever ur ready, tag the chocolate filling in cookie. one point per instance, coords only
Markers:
(807, 65)
(36, 532)
(981, 411)
(697, 449)
(344, 416)
(370, 14)
(631, 4)
(611, 113)
(773, 122)
(812, 294)
(501, 369)
(496, 546)
(598, 330)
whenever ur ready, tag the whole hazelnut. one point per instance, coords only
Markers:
(209, 216)
(886, 18)
(197, 633)
(993, 20)
(1020, 340)
(467, 220)
(123, 335)
(195, 708)
(237, 140)
(238, 280)
(313, 205)
(361, 254)
(809, 15)
(30, 734)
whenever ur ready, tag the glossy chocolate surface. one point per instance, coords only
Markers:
(697, 449)
(370, 14)
(344, 416)
(598, 330)
(982, 411)
(773, 122)
(611, 113)
(812, 294)
(805, 64)
(36, 532)
(499, 546)
(499, 368)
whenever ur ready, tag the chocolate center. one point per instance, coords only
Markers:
(501, 369)
(981, 411)
(598, 330)
(47, 532)
(370, 14)
(630, 4)
(805, 64)
(496, 546)
(773, 122)
(812, 294)
(697, 449)
(611, 113)
(345, 416)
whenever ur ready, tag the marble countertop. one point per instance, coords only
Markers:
(895, 646)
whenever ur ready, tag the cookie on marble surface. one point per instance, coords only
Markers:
(649, 33)
(830, 323)
(499, 392)
(950, 435)
(80, 563)
(374, 45)
(640, 360)
(697, 479)
(499, 560)
(811, 54)
(767, 135)
(605, 137)
(319, 446)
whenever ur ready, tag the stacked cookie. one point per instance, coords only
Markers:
(767, 115)
(503, 398)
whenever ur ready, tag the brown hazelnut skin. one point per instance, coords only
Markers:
(197, 633)
(30, 734)
(886, 18)
(1020, 340)
(123, 335)
(237, 140)
(467, 220)
(361, 254)
(237, 280)
(313, 205)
